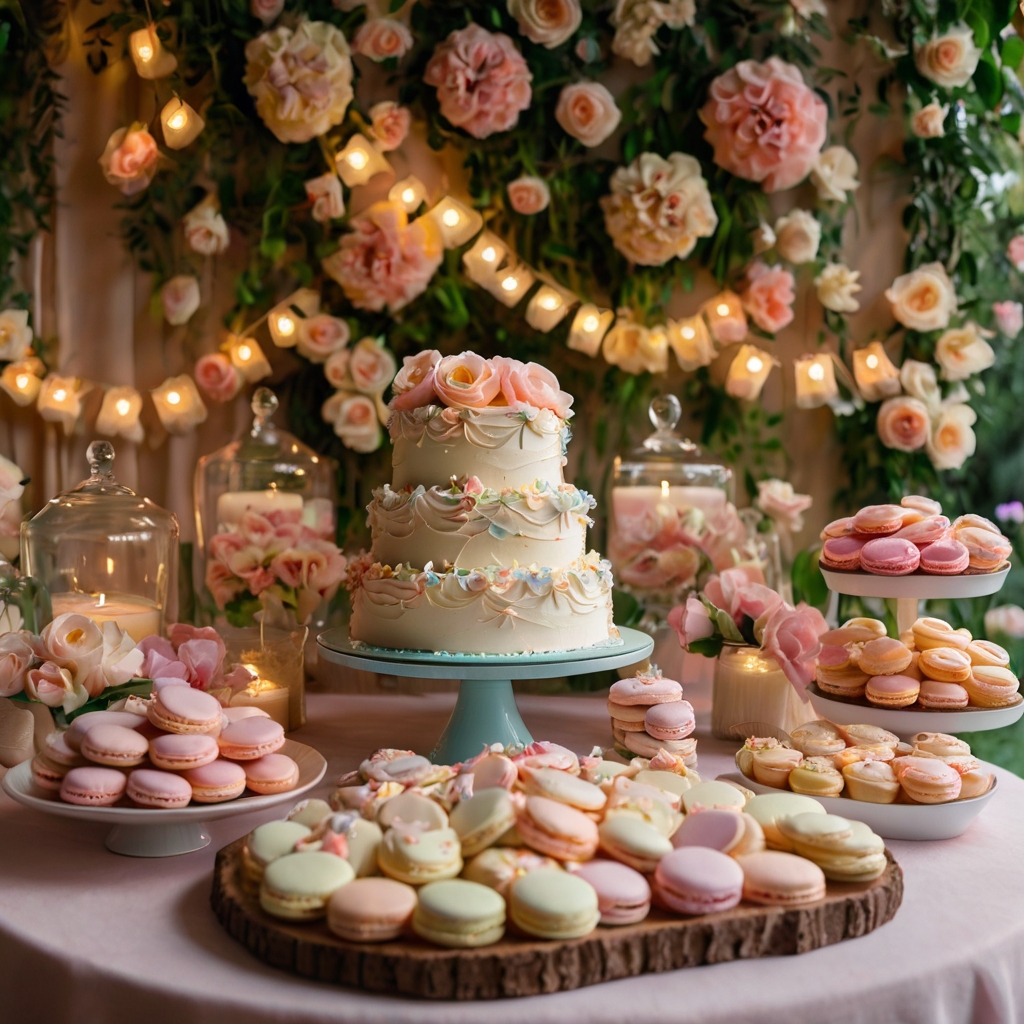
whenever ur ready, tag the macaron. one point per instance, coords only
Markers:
(974, 521)
(975, 784)
(842, 553)
(182, 709)
(371, 909)
(673, 721)
(403, 767)
(769, 808)
(772, 767)
(416, 855)
(150, 788)
(879, 520)
(237, 714)
(312, 812)
(556, 829)
(838, 528)
(846, 851)
(93, 787)
(58, 750)
(668, 782)
(623, 894)
(985, 652)
(776, 879)
(298, 886)
(942, 696)
(929, 632)
(250, 738)
(115, 746)
(889, 556)
(884, 657)
(927, 780)
(717, 829)
(482, 819)
(633, 841)
(499, 866)
(84, 722)
(715, 793)
(817, 776)
(925, 531)
(181, 751)
(946, 664)
(364, 839)
(839, 676)
(411, 806)
(940, 744)
(929, 506)
(864, 735)
(698, 880)
(565, 788)
(266, 843)
(817, 738)
(272, 773)
(990, 686)
(603, 771)
(494, 770)
(948, 557)
(892, 691)
(647, 746)
(645, 689)
(628, 713)
(216, 782)
(553, 905)
(459, 913)
(46, 774)
(871, 781)
(987, 551)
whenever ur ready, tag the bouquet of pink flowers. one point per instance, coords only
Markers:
(273, 556)
(737, 608)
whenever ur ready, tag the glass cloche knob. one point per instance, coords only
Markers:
(101, 459)
(264, 405)
(664, 412)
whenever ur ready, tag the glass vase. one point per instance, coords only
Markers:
(275, 656)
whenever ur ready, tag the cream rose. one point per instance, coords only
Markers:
(835, 173)
(382, 39)
(355, 421)
(336, 369)
(949, 60)
(963, 352)
(16, 657)
(73, 642)
(927, 123)
(54, 686)
(952, 441)
(322, 335)
(636, 22)
(324, 193)
(180, 299)
(836, 285)
(206, 231)
(15, 335)
(587, 111)
(371, 367)
(924, 299)
(528, 195)
(548, 22)
(762, 238)
(797, 236)
(635, 349)
(11, 487)
(777, 500)
(903, 424)
(919, 381)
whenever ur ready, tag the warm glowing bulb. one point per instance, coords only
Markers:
(688, 333)
(408, 195)
(489, 255)
(509, 283)
(110, 567)
(285, 325)
(177, 120)
(450, 217)
(591, 323)
(22, 381)
(145, 52)
(173, 398)
(59, 395)
(549, 301)
(816, 372)
(664, 489)
(754, 364)
(244, 353)
(722, 309)
(871, 362)
(123, 406)
(357, 159)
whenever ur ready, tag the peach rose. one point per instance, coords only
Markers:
(224, 586)
(217, 377)
(355, 421)
(266, 10)
(467, 381)
(691, 622)
(777, 500)
(533, 385)
(180, 299)
(336, 368)
(903, 423)
(547, 22)
(949, 60)
(952, 441)
(325, 194)
(382, 39)
(372, 367)
(924, 299)
(769, 296)
(928, 122)
(587, 111)
(482, 81)
(130, 159)
(528, 195)
(1009, 317)
(16, 658)
(1015, 252)
(963, 352)
(384, 260)
(53, 686)
(723, 589)
(764, 123)
(321, 336)
(389, 124)
(206, 231)
(414, 384)
(791, 637)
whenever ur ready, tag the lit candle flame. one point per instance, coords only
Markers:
(173, 398)
(816, 372)
(754, 364)
(591, 323)
(450, 217)
(357, 159)
(123, 406)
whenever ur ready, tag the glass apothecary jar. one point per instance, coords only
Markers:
(288, 486)
(103, 551)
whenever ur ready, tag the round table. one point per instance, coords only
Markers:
(87, 937)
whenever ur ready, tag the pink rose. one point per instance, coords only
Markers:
(257, 529)
(587, 111)
(467, 381)
(778, 500)
(754, 601)
(722, 590)
(1015, 252)
(223, 584)
(791, 638)
(180, 299)
(1009, 317)
(322, 335)
(384, 260)
(769, 296)
(382, 39)
(324, 193)
(528, 195)
(206, 231)
(481, 79)
(372, 367)
(217, 377)
(16, 657)
(50, 685)
(266, 10)
(414, 384)
(355, 420)
(903, 423)
(130, 159)
(691, 621)
(389, 124)
(532, 384)
(156, 650)
(202, 660)
(336, 368)
(223, 546)
(764, 123)
(547, 22)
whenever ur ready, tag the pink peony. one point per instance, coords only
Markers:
(1015, 252)
(722, 590)
(336, 368)
(754, 601)
(217, 377)
(482, 81)
(384, 260)
(764, 123)
(528, 195)
(791, 638)
(414, 384)
(157, 651)
(903, 423)
(389, 124)
(533, 385)
(691, 621)
(1009, 317)
(769, 296)
(467, 381)
(381, 39)
(202, 660)
(130, 159)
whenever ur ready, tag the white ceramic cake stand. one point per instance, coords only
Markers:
(146, 832)
(485, 711)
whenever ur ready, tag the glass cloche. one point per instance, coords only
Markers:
(103, 551)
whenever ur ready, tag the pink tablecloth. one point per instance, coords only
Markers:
(87, 936)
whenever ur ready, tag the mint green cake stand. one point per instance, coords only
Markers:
(486, 710)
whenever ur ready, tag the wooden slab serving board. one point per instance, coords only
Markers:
(525, 967)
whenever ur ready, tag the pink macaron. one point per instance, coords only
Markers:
(673, 721)
(250, 738)
(272, 773)
(237, 714)
(698, 880)
(942, 696)
(890, 556)
(926, 531)
(93, 787)
(150, 788)
(715, 828)
(645, 689)
(178, 752)
(623, 894)
(839, 528)
(216, 782)
(493, 771)
(60, 751)
(114, 745)
(556, 829)
(842, 553)
(181, 709)
(83, 723)
(879, 520)
(945, 558)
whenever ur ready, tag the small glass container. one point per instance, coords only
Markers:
(275, 658)
(104, 552)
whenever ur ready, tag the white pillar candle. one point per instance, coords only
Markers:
(60, 400)
(22, 381)
(359, 161)
(138, 617)
(748, 372)
(148, 54)
(511, 284)
(248, 359)
(266, 696)
(589, 327)
(815, 381)
(181, 124)
(232, 505)
(874, 372)
(549, 306)
(691, 341)
(456, 222)
(634, 503)
(409, 192)
(484, 257)
(178, 404)
(119, 414)
(726, 318)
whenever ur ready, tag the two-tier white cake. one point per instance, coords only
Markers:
(479, 545)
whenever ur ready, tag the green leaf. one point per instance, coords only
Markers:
(1012, 52)
(709, 646)
(988, 80)
(979, 26)
(626, 609)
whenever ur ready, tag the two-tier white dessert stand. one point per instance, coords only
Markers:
(485, 711)
(907, 591)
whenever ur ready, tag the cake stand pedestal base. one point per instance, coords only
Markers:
(487, 707)
(157, 840)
